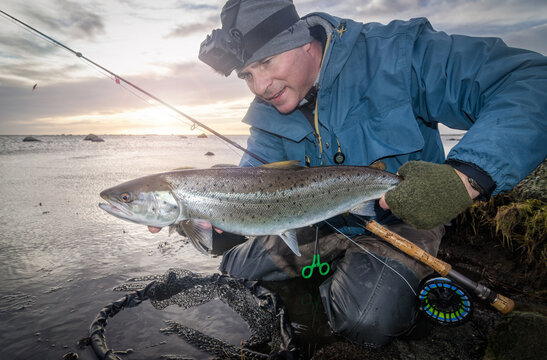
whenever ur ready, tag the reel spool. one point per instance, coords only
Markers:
(444, 302)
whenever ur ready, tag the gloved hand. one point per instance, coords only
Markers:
(429, 195)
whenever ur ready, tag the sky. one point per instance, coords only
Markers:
(155, 44)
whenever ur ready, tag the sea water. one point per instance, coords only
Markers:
(61, 256)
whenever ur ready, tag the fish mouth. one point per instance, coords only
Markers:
(116, 211)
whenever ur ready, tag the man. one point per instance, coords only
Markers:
(332, 91)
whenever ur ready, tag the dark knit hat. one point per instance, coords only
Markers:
(251, 31)
(253, 12)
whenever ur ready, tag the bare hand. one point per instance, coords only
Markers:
(154, 229)
(383, 203)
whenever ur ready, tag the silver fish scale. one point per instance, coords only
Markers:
(261, 201)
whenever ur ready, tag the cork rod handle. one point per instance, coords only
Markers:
(409, 248)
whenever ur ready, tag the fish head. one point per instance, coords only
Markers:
(147, 201)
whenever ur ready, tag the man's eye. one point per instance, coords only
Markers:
(245, 76)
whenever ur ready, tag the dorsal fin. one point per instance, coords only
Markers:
(288, 164)
(379, 164)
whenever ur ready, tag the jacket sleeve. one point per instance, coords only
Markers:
(497, 93)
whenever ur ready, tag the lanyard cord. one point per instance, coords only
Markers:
(315, 115)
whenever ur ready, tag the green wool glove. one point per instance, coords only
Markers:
(429, 195)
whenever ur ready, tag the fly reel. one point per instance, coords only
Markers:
(444, 302)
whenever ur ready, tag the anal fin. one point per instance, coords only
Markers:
(365, 209)
(289, 237)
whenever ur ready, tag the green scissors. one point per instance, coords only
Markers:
(324, 268)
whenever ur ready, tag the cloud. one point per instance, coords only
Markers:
(187, 85)
(185, 29)
(67, 17)
(13, 46)
(531, 38)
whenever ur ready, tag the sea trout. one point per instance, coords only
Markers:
(274, 199)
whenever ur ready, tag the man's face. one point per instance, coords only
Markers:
(283, 80)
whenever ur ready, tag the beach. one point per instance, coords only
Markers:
(61, 256)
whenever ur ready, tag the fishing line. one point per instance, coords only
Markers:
(374, 256)
(150, 102)
(120, 78)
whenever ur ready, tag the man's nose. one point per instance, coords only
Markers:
(261, 84)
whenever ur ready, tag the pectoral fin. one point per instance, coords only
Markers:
(200, 233)
(364, 209)
(289, 237)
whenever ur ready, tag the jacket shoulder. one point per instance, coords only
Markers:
(411, 27)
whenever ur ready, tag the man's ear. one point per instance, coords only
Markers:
(307, 47)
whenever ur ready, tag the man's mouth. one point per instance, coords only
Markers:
(276, 96)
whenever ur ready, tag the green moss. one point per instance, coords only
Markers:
(522, 226)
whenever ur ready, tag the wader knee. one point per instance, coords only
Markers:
(252, 261)
(269, 258)
(368, 301)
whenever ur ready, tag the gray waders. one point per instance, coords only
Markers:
(369, 298)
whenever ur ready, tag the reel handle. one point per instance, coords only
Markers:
(503, 304)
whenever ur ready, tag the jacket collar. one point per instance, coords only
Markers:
(293, 126)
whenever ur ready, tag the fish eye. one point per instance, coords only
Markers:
(125, 197)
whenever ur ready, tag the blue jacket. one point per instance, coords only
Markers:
(383, 89)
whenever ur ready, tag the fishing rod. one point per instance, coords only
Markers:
(118, 77)
(498, 301)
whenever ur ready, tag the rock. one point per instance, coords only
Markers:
(208, 153)
(30, 138)
(202, 135)
(93, 138)
(534, 186)
(519, 335)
